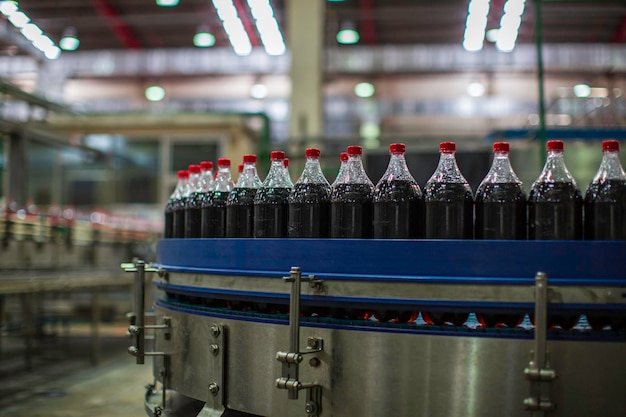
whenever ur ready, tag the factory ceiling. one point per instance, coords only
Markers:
(141, 24)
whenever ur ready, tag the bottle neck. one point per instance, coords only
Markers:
(278, 176)
(206, 179)
(555, 169)
(181, 185)
(223, 181)
(501, 170)
(354, 171)
(249, 177)
(397, 170)
(448, 171)
(610, 168)
(192, 184)
(312, 173)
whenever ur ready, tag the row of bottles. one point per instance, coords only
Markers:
(352, 207)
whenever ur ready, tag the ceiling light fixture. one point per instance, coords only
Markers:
(475, 25)
(29, 30)
(509, 25)
(364, 90)
(69, 41)
(492, 35)
(233, 27)
(267, 26)
(167, 3)
(203, 38)
(348, 34)
(582, 90)
(258, 91)
(475, 89)
(155, 93)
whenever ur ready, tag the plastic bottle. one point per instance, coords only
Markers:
(239, 171)
(192, 199)
(170, 208)
(214, 205)
(309, 202)
(271, 206)
(448, 200)
(398, 203)
(351, 200)
(555, 204)
(343, 157)
(286, 163)
(605, 199)
(500, 201)
(240, 203)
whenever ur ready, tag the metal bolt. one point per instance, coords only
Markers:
(215, 349)
(214, 388)
(215, 330)
(310, 408)
(134, 330)
(133, 351)
(314, 362)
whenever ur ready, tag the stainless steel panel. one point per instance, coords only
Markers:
(374, 373)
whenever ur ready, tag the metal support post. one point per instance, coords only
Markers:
(538, 372)
(95, 326)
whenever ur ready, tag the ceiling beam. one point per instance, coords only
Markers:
(121, 30)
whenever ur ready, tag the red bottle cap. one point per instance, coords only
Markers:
(194, 169)
(240, 168)
(447, 147)
(223, 162)
(183, 174)
(206, 165)
(286, 162)
(277, 155)
(312, 153)
(554, 145)
(610, 145)
(343, 157)
(397, 148)
(249, 158)
(354, 150)
(501, 147)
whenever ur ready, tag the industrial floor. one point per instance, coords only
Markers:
(63, 382)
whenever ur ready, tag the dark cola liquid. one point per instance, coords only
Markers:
(555, 212)
(449, 211)
(193, 215)
(351, 211)
(240, 213)
(214, 214)
(605, 211)
(178, 218)
(500, 212)
(271, 212)
(398, 210)
(309, 211)
(168, 228)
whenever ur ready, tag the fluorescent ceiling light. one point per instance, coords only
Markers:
(348, 35)
(8, 7)
(29, 30)
(492, 35)
(233, 27)
(509, 25)
(364, 90)
(599, 92)
(267, 26)
(475, 25)
(155, 93)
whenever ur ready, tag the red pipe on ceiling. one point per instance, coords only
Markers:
(368, 28)
(121, 29)
(620, 34)
(248, 22)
